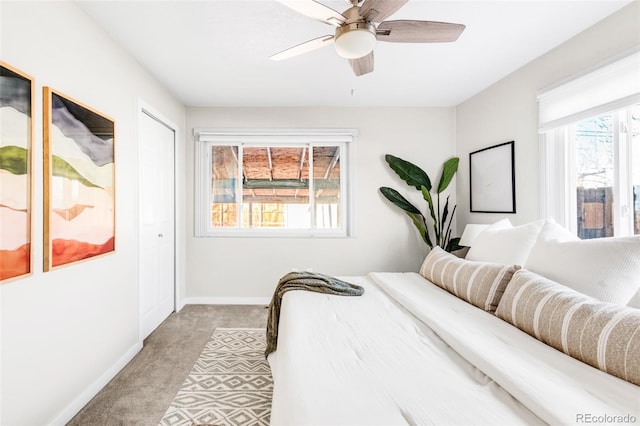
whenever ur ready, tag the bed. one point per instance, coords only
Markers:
(410, 352)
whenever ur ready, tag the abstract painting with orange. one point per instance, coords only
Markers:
(79, 181)
(16, 98)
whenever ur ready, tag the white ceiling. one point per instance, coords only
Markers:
(215, 52)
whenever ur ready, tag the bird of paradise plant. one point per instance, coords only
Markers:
(437, 231)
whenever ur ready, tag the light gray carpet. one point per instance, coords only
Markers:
(229, 385)
(142, 391)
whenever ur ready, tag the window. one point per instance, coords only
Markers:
(606, 169)
(590, 152)
(273, 183)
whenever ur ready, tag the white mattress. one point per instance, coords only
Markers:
(368, 360)
(555, 387)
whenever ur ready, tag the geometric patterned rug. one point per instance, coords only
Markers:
(230, 383)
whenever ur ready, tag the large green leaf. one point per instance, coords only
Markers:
(443, 221)
(418, 221)
(448, 231)
(409, 172)
(453, 245)
(427, 197)
(449, 170)
(397, 199)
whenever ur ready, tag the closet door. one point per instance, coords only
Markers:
(157, 221)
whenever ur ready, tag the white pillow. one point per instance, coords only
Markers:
(607, 269)
(552, 231)
(509, 245)
(501, 224)
(635, 301)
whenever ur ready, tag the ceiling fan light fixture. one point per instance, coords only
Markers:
(355, 40)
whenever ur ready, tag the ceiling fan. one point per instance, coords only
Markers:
(358, 28)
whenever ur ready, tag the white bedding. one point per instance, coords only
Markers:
(368, 360)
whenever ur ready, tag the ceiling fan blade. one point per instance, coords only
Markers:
(315, 10)
(361, 66)
(418, 31)
(379, 10)
(305, 47)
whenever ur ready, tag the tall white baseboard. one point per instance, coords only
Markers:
(226, 301)
(81, 400)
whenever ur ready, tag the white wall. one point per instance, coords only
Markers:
(385, 239)
(65, 333)
(508, 109)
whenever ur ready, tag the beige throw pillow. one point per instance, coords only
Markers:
(603, 335)
(479, 283)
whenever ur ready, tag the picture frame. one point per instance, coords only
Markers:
(492, 179)
(16, 168)
(79, 181)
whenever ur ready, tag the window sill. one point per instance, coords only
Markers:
(269, 233)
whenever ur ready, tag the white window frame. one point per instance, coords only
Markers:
(206, 138)
(558, 176)
(610, 86)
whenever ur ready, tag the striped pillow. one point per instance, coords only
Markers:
(603, 335)
(479, 283)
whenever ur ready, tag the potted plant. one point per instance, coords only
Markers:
(436, 231)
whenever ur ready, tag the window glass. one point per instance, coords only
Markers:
(275, 190)
(326, 174)
(594, 175)
(224, 176)
(593, 188)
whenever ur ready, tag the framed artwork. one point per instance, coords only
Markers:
(16, 122)
(492, 179)
(79, 181)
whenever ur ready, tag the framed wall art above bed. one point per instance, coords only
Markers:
(492, 179)
(79, 181)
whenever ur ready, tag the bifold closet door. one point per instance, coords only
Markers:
(157, 222)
